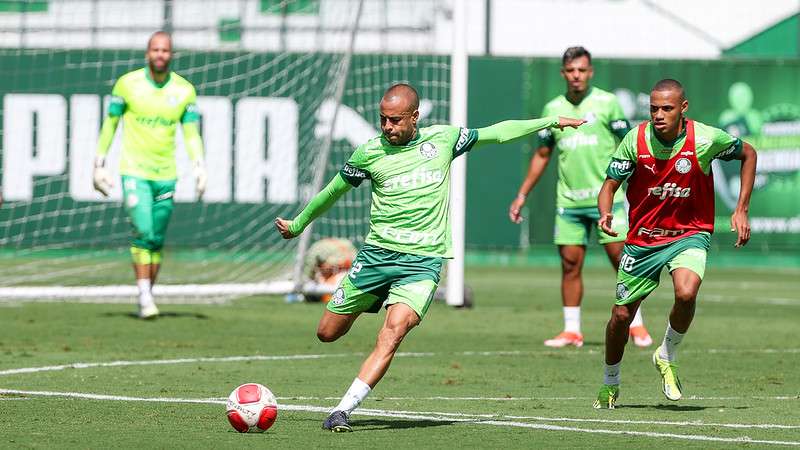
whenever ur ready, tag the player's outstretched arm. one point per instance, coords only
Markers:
(739, 221)
(100, 175)
(605, 200)
(535, 169)
(509, 130)
(318, 205)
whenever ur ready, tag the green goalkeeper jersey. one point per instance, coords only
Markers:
(150, 114)
(410, 210)
(584, 153)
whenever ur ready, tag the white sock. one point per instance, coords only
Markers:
(637, 318)
(353, 397)
(145, 296)
(572, 319)
(669, 346)
(611, 375)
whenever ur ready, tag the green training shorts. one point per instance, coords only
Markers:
(384, 277)
(149, 205)
(573, 225)
(640, 267)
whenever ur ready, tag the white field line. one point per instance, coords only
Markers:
(90, 365)
(221, 300)
(436, 417)
(153, 362)
(533, 399)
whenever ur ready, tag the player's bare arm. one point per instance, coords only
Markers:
(605, 200)
(535, 170)
(739, 221)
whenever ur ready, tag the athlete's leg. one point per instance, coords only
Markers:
(572, 257)
(617, 330)
(687, 285)
(400, 319)
(163, 204)
(332, 326)
(641, 338)
(138, 202)
(687, 269)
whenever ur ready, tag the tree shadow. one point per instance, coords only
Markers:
(390, 424)
(162, 315)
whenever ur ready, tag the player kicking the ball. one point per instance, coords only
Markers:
(667, 163)
(399, 264)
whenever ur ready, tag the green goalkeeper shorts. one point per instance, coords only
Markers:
(640, 267)
(573, 226)
(149, 205)
(384, 277)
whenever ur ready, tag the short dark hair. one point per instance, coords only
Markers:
(668, 84)
(575, 53)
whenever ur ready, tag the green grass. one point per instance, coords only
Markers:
(739, 365)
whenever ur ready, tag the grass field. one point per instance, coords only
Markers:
(92, 376)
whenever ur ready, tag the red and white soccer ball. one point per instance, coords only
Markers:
(252, 408)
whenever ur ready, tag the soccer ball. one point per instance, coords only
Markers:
(251, 408)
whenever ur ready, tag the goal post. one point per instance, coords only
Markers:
(279, 84)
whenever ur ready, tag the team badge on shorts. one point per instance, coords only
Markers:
(428, 150)
(622, 291)
(338, 297)
(683, 165)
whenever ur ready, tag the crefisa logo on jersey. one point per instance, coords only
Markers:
(683, 165)
(428, 150)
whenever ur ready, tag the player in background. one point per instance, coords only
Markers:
(152, 102)
(667, 164)
(409, 235)
(583, 155)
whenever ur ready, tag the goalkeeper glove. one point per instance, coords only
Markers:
(101, 177)
(200, 177)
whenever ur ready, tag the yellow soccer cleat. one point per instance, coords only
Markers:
(607, 398)
(671, 384)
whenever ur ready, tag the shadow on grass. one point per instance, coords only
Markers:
(681, 408)
(161, 316)
(391, 424)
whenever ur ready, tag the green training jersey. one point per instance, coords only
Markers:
(710, 143)
(150, 114)
(410, 210)
(583, 153)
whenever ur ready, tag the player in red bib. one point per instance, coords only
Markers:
(667, 163)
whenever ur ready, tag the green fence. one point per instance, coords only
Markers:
(758, 100)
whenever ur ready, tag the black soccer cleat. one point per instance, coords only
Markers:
(337, 422)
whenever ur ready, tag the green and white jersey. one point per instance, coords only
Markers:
(710, 143)
(583, 153)
(150, 114)
(410, 210)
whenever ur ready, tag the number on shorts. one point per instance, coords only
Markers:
(356, 268)
(627, 262)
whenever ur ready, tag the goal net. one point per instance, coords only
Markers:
(286, 88)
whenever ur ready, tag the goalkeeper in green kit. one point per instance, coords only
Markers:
(152, 102)
(399, 264)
